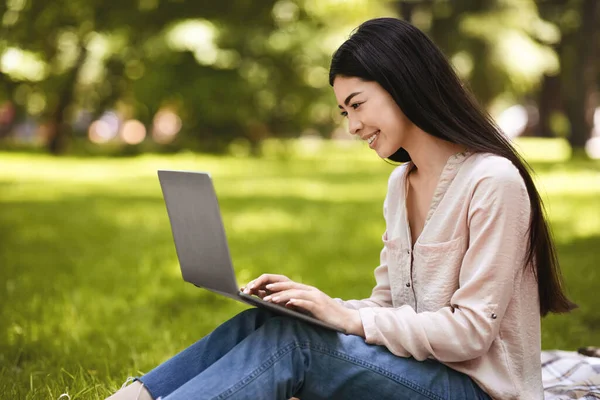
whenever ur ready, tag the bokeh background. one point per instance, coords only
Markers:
(95, 96)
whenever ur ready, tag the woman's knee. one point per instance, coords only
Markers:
(281, 328)
(292, 329)
(255, 316)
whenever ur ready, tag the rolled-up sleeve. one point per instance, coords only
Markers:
(498, 221)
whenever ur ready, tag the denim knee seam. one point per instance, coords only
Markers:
(410, 385)
(324, 350)
(258, 371)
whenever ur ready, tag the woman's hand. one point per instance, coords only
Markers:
(258, 286)
(282, 290)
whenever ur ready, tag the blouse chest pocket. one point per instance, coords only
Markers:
(436, 270)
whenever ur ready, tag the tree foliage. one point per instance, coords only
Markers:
(255, 69)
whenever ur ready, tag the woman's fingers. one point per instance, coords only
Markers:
(284, 296)
(260, 293)
(259, 283)
(305, 305)
(281, 286)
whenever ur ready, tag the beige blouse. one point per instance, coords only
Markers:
(461, 295)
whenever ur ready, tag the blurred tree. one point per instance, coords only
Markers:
(500, 48)
(246, 69)
(579, 22)
(231, 68)
(513, 49)
(91, 52)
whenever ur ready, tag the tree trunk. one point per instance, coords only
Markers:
(58, 126)
(405, 9)
(9, 88)
(550, 100)
(578, 73)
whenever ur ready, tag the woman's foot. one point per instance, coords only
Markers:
(135, 391)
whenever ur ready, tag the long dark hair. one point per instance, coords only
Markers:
(406, 63)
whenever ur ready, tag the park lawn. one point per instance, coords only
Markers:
(90, 290)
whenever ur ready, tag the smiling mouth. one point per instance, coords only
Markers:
(372, 138)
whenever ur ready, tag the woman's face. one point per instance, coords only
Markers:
(372, 114)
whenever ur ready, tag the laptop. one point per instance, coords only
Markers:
(200, 240)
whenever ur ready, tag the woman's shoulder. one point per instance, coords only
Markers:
(488, 166)
(488, 175)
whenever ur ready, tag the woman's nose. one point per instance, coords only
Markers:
(354, 125)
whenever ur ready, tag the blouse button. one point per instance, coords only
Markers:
(494, 316)
(407, 251)
(407, 284)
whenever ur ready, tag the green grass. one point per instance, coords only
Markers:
(90, 290)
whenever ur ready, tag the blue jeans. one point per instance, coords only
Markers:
(261, 355)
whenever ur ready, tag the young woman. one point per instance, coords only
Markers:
(467, 267)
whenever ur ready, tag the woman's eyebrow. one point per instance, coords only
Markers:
(350, 96)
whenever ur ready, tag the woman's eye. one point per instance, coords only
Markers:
(354, 107)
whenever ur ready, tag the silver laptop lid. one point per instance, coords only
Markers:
(198, 231)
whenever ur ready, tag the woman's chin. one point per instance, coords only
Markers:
(382, 153)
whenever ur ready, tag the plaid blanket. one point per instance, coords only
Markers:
(571, 375)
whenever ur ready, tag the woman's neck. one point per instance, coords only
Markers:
(430, 154)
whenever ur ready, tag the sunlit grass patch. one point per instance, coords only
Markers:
(90, 289)
(543, 150)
